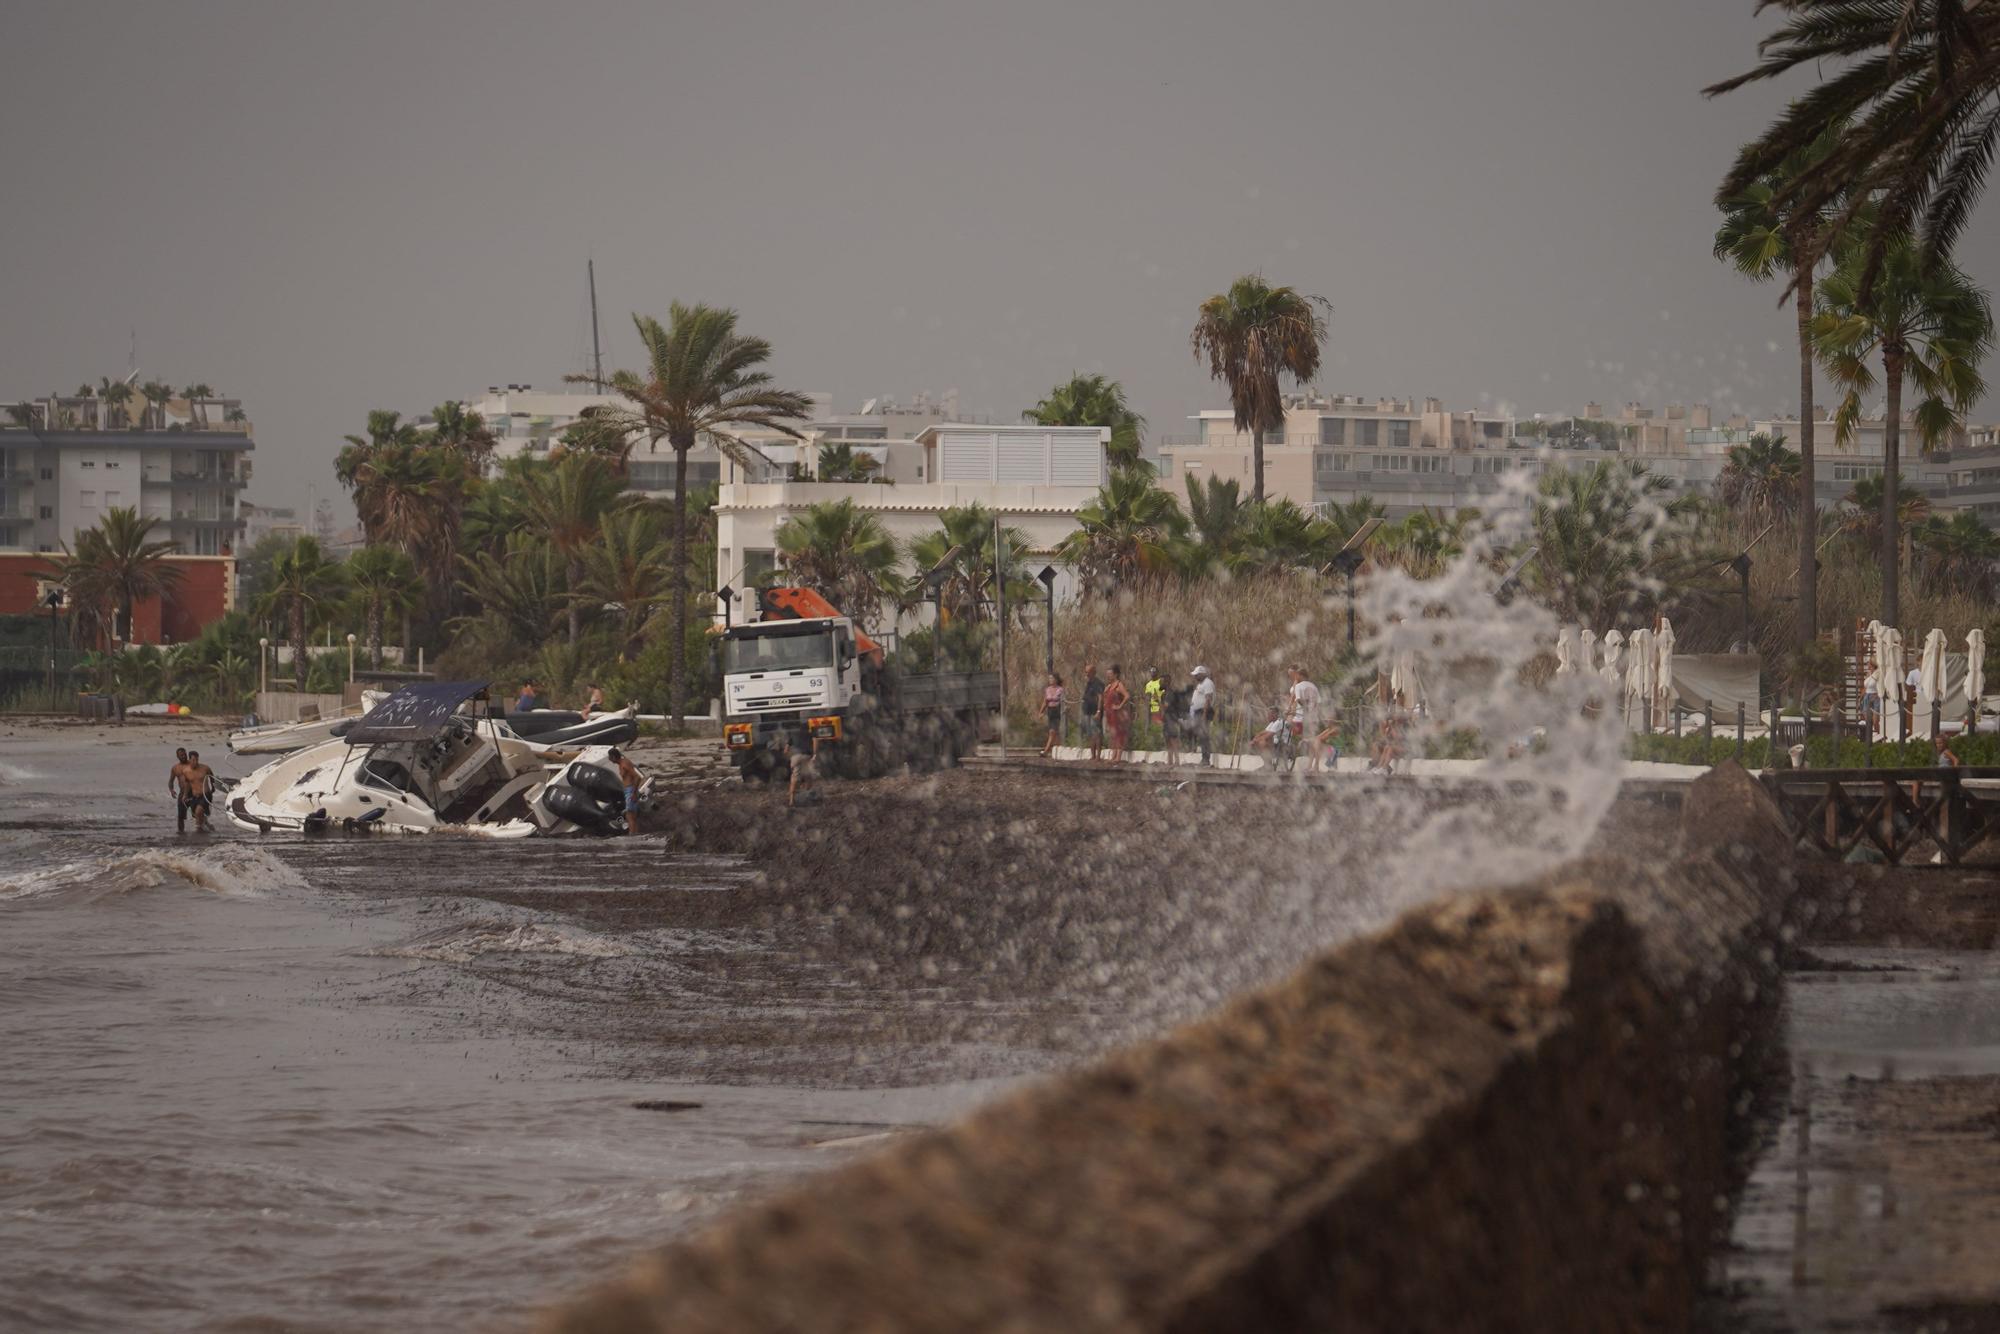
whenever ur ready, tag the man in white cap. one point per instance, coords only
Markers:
(1201, 707)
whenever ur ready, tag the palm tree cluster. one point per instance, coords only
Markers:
(1094, 400)
(1873, 174)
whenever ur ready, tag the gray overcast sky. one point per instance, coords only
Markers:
(328, 208)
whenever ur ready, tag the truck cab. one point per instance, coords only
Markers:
(806, 677)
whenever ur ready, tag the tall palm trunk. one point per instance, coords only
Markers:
(299, 643)
(1257, 466)
(375, 632)
(677, 651)
(575, 608)
(1808, 501)
(1892, 489)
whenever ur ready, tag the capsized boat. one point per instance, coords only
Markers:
(415, 764)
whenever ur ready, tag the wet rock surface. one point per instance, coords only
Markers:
(1528, 1098)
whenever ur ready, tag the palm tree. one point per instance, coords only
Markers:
(197, 396)
(1252, 335)
(112, 396)
(1763, 477)
(464, 432)
(1347, 517)
(843, 551)
(1093, 400)
(385, 583)
(1600, 533)
(1916, 95)
(628, 567)
(1126, 533)
(1282, 537)
(156, 396)
(1927, 321)
(701, 382)
(1864, 515)
(1426, 542)
(518, 592)
(967, 555)
(1961, 552)
(362, 462)
(231, 671)
(562, 502)
(303, 580)
(1218, 520)
(1765, 231)
(115, 565)
(840, 462)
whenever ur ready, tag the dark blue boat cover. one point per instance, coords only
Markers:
(413, 713)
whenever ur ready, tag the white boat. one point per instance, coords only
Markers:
(282, 738)
(414, 764)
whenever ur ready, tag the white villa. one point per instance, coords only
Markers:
(1035, 478)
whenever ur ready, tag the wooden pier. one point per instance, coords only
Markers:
(1835, 811)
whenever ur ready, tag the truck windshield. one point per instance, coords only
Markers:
(776, 653)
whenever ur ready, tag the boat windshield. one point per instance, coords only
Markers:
(777, 653)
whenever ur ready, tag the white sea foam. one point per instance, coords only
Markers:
(472, 940)
(229, 871)
(1473, 648)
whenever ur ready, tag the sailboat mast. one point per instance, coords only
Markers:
(596, 348)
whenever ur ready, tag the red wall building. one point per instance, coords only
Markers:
(206, 590)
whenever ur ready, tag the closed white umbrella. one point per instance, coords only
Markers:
(1566, 650)
(1639, 675)
(1889, 675)
(1975, 676)
(1403, 680)
(1930, 683)
(1663, 682)
(1614, 657)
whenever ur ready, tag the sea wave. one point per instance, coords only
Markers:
(229, 871)
(15, 775)
(472, 940)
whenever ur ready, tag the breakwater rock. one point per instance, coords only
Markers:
(1514, 1109)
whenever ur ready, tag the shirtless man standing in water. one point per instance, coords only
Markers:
(197, 780)
(177, 789)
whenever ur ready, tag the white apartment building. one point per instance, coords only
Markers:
(1035, 478)
(1407, 454)
(525, 420)
(60, 472)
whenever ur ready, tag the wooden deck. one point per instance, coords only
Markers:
(1894, 811)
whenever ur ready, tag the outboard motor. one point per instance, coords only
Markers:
(587, 796)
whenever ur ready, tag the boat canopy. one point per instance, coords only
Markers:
(413, 713)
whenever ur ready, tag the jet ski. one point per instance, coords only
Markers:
(562, 727)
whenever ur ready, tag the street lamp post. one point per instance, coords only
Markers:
(55, 601)
(350, 659)
(263, 664)
(1048, 578)
(1348, 560)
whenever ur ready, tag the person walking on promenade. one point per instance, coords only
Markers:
(1201, 712)
(1303, 705)
(1117, 705)
(1093, 711)
(1052, 710)
(1156, 698)
(1173, 723)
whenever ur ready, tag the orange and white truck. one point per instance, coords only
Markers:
(803, 676)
